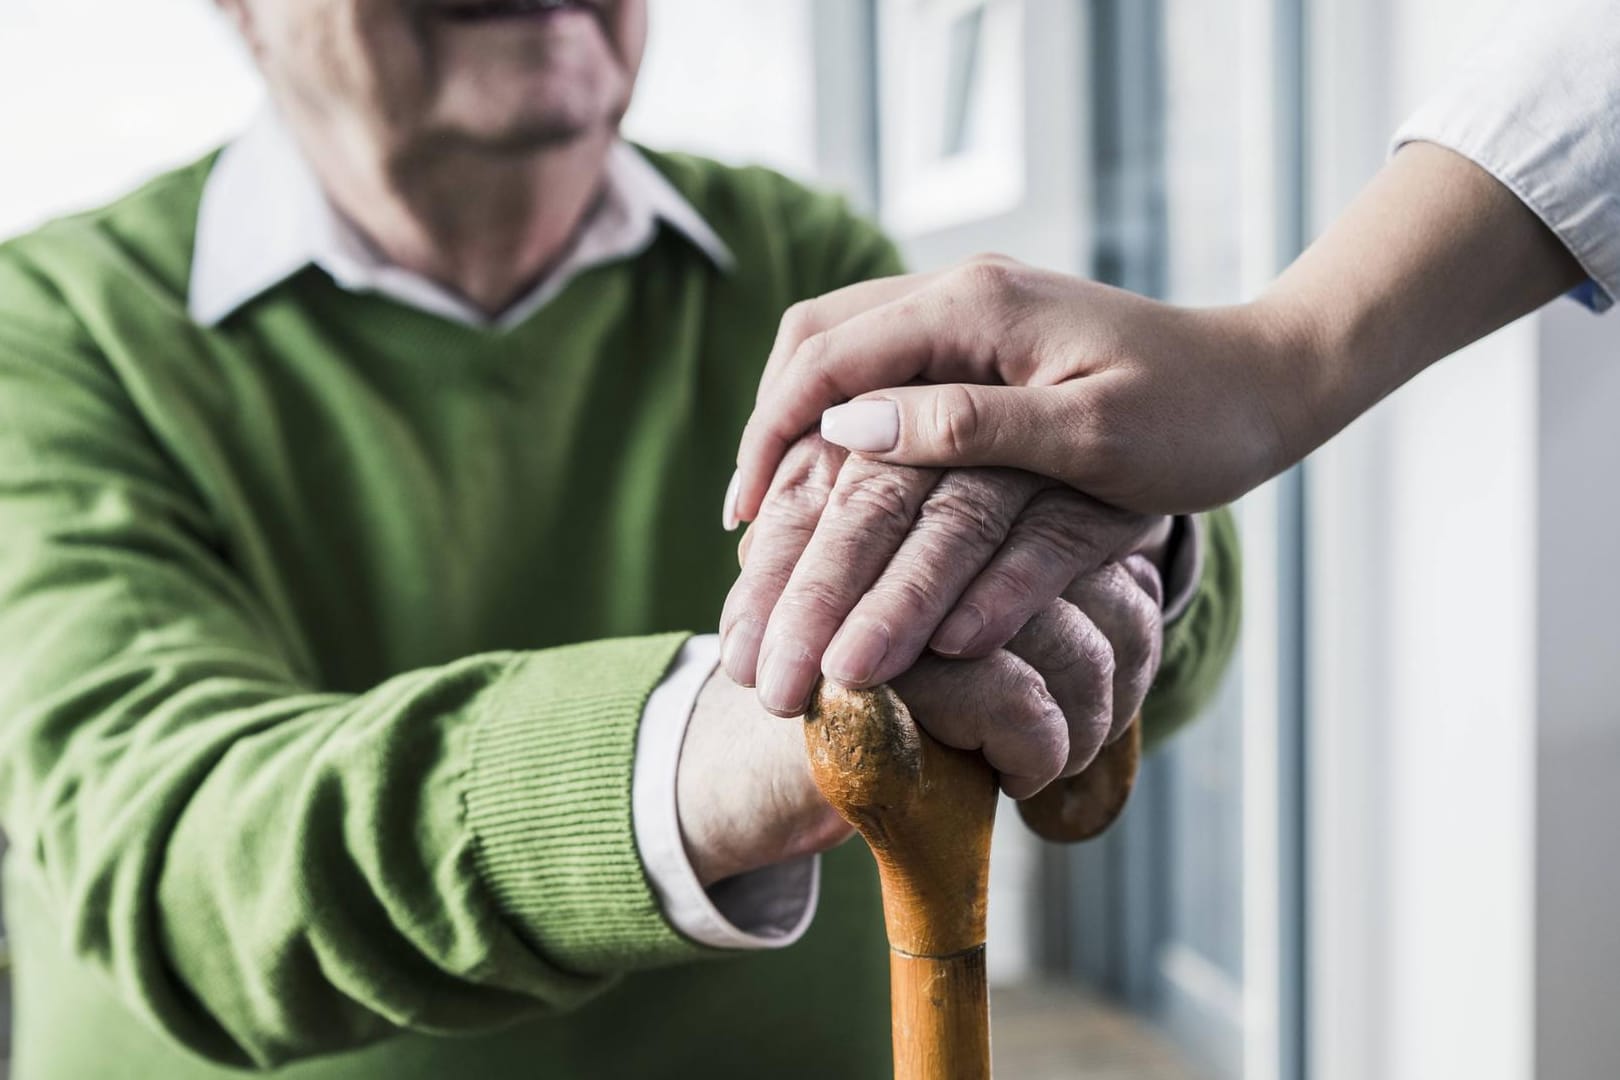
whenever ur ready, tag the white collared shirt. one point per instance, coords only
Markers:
(264, 217)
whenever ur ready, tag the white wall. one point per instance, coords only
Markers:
(1577, 960)
(1463, 683)
(731, 79)
(96, 95)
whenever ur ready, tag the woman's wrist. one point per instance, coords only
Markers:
(1286, 360)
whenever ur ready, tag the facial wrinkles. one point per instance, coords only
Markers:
(352, 67)
(629, 37)
(393, 78)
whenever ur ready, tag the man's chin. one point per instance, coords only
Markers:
(533, 121)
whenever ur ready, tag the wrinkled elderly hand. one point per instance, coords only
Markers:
(1036, 710)
(855, 567)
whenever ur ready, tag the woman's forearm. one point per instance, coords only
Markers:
(1434, 254)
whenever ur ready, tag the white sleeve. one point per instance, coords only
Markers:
(765, 909)
(1539, 109)
(1186, 570)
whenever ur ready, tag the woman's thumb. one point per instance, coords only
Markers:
(954, 425)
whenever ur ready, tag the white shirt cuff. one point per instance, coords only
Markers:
(1536, 109)
(764, 909)
(1186, 570)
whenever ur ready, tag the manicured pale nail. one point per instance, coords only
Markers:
(728, 512)
(959, 631)
(785, 677)
(855, 653)
(739, 652)
(869, 427)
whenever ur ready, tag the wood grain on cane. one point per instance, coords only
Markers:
(926, 811)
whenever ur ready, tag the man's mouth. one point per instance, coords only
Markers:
(485, 10)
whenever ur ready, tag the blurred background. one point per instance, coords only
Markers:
(1388, 851)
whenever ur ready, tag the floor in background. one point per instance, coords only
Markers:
(1042, 1032)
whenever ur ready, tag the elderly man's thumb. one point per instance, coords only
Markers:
(955, 424)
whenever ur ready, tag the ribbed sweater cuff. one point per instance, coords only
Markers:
(548, 800)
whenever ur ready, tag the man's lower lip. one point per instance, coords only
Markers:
(511, 9)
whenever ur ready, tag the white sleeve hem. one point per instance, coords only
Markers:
(768, 908)
(1535, 108)
(1603, 292)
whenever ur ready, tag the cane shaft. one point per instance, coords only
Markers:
(941, 1016)
(926, 812)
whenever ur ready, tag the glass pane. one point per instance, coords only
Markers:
(1202, 174)
(966, 43)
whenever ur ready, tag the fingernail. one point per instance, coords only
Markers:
(855, 653)
(784, 679)
(870, 427)
(959, 631)
(728, 512)
(739, 652)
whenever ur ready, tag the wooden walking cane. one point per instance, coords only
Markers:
(926, 810)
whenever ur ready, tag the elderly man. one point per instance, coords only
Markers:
(352, 483)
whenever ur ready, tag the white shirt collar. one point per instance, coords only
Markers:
(263, 218)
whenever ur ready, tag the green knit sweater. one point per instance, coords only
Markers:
(324, 636)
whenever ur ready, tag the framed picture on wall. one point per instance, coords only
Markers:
(951, 107)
